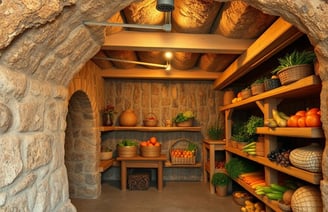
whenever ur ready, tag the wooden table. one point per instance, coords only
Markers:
(142, 162)
(209, 148)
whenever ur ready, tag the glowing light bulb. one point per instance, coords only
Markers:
(168, 55)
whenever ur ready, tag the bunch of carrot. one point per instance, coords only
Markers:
(253, 179)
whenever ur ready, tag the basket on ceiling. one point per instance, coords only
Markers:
(183, 151)
(294, 73)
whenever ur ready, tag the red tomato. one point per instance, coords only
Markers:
(293, 121)
(301, 122)
(312, 111)
(312, 120)
(300, 113)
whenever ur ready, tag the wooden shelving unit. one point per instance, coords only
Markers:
(310, 177)
(266, 102)
(168, 164)
(149, 129)
(105, 164)
(108, 163)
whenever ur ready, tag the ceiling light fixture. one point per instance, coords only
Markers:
(165, 5)
(164, 27)
(162, 5)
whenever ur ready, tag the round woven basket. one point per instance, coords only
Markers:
(307, 198)
(257, 88)
(246, 93)
(294, 73)
(308, 158)
(240, 200)
(187, 123)
(150, 120)
(270, 84)
(150, 151)
(127, 151)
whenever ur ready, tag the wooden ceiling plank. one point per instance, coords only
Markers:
(159, 74)
(181, 42)
(275, 38)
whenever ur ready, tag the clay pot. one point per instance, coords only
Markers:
(228, 96)
(128, 118)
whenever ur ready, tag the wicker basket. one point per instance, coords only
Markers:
(308, 158)
(246, 93)
(150, 120)
(294, 73)
(257, 88)
(150, 151)
(307, 198)
(270, 84)
(127, 151)
(187, 123)
(241, 197)
(180, 146)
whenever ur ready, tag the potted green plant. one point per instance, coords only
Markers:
(294, 66)
(221, 182)
(215, 132)
(184, 119)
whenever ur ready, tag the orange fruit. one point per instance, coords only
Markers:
(153, 140)
(143, 143)
(157, 144)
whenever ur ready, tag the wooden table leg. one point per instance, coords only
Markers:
(205, 175)
(212, 167)
(160, 176)
(123, 175)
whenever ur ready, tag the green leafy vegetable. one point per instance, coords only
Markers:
(127, 142)
(236, 166)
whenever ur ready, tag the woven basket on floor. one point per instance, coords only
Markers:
(294, 73)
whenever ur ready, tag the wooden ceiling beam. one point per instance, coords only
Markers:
(180, 42)
(274, 39)
(141, 73)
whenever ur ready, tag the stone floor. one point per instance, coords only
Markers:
(175, 197)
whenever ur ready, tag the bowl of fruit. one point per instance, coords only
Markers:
(150, 120)
(241, 196)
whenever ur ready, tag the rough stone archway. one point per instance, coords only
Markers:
(81, 145)
(42, 46)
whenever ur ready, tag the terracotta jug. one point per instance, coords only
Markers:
(128, 118)
(228, 96)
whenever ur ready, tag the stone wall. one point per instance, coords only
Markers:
(42, 45)
(165, 99)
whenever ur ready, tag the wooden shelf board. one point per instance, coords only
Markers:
(275, 38)
(310, 177)
(302, 132)
(298, 89)
(105, 164)
(271, 203)
(150, 129)
(168, 164)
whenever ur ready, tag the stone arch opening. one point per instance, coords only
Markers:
(81, 148)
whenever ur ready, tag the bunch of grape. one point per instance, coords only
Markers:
(280, 156)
